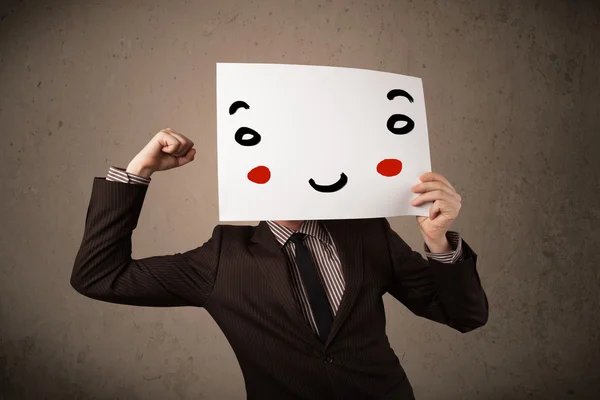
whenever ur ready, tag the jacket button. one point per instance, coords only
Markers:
(328, 359)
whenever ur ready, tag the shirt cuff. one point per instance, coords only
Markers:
(116, 174)
(450, 257)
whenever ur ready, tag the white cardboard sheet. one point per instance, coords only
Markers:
(310, 140)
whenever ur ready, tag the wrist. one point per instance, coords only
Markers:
(438, 246)
(137, 169)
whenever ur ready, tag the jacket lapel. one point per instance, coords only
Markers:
(348, 243)
(274, 265)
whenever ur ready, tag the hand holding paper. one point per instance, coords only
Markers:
(446, 205)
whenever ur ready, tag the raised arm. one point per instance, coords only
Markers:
(104, 269)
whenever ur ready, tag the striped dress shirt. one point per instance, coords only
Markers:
(321, 248)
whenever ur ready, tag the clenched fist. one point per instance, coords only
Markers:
(166, 150)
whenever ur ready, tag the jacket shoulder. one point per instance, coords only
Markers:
(234, 233)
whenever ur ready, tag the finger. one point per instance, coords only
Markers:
(445, 207)
(448, 209)
(434, 210)
(433, 185)
(168, 143)
(184, 139)
(432, 176)
(433, 196)
(187, 158)
(186, 144)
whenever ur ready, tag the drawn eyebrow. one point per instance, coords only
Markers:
(237, 105)
(399, 92)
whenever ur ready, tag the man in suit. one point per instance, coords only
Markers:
(299, 301)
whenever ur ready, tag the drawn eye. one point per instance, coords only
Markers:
(244, 136)
(236, 105)
(394, 119)
(403, 130)
(247, 137)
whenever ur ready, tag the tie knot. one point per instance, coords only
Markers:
(297, 237)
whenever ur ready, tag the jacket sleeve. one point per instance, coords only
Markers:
(450, 294)
(104, 270)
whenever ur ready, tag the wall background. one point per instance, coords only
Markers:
(512, 100)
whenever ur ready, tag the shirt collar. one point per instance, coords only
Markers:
(310, 228)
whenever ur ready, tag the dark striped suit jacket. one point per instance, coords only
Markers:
(240, 277)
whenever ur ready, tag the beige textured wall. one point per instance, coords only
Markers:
(512, 100)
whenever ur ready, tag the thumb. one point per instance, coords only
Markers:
(167, 143)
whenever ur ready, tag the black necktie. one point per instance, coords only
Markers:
(314, 289)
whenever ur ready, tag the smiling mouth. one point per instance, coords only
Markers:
(329, 188)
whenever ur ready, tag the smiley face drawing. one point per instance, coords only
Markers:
(310, 142)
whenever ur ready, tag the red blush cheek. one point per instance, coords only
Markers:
(389, 167)
(260, 174)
